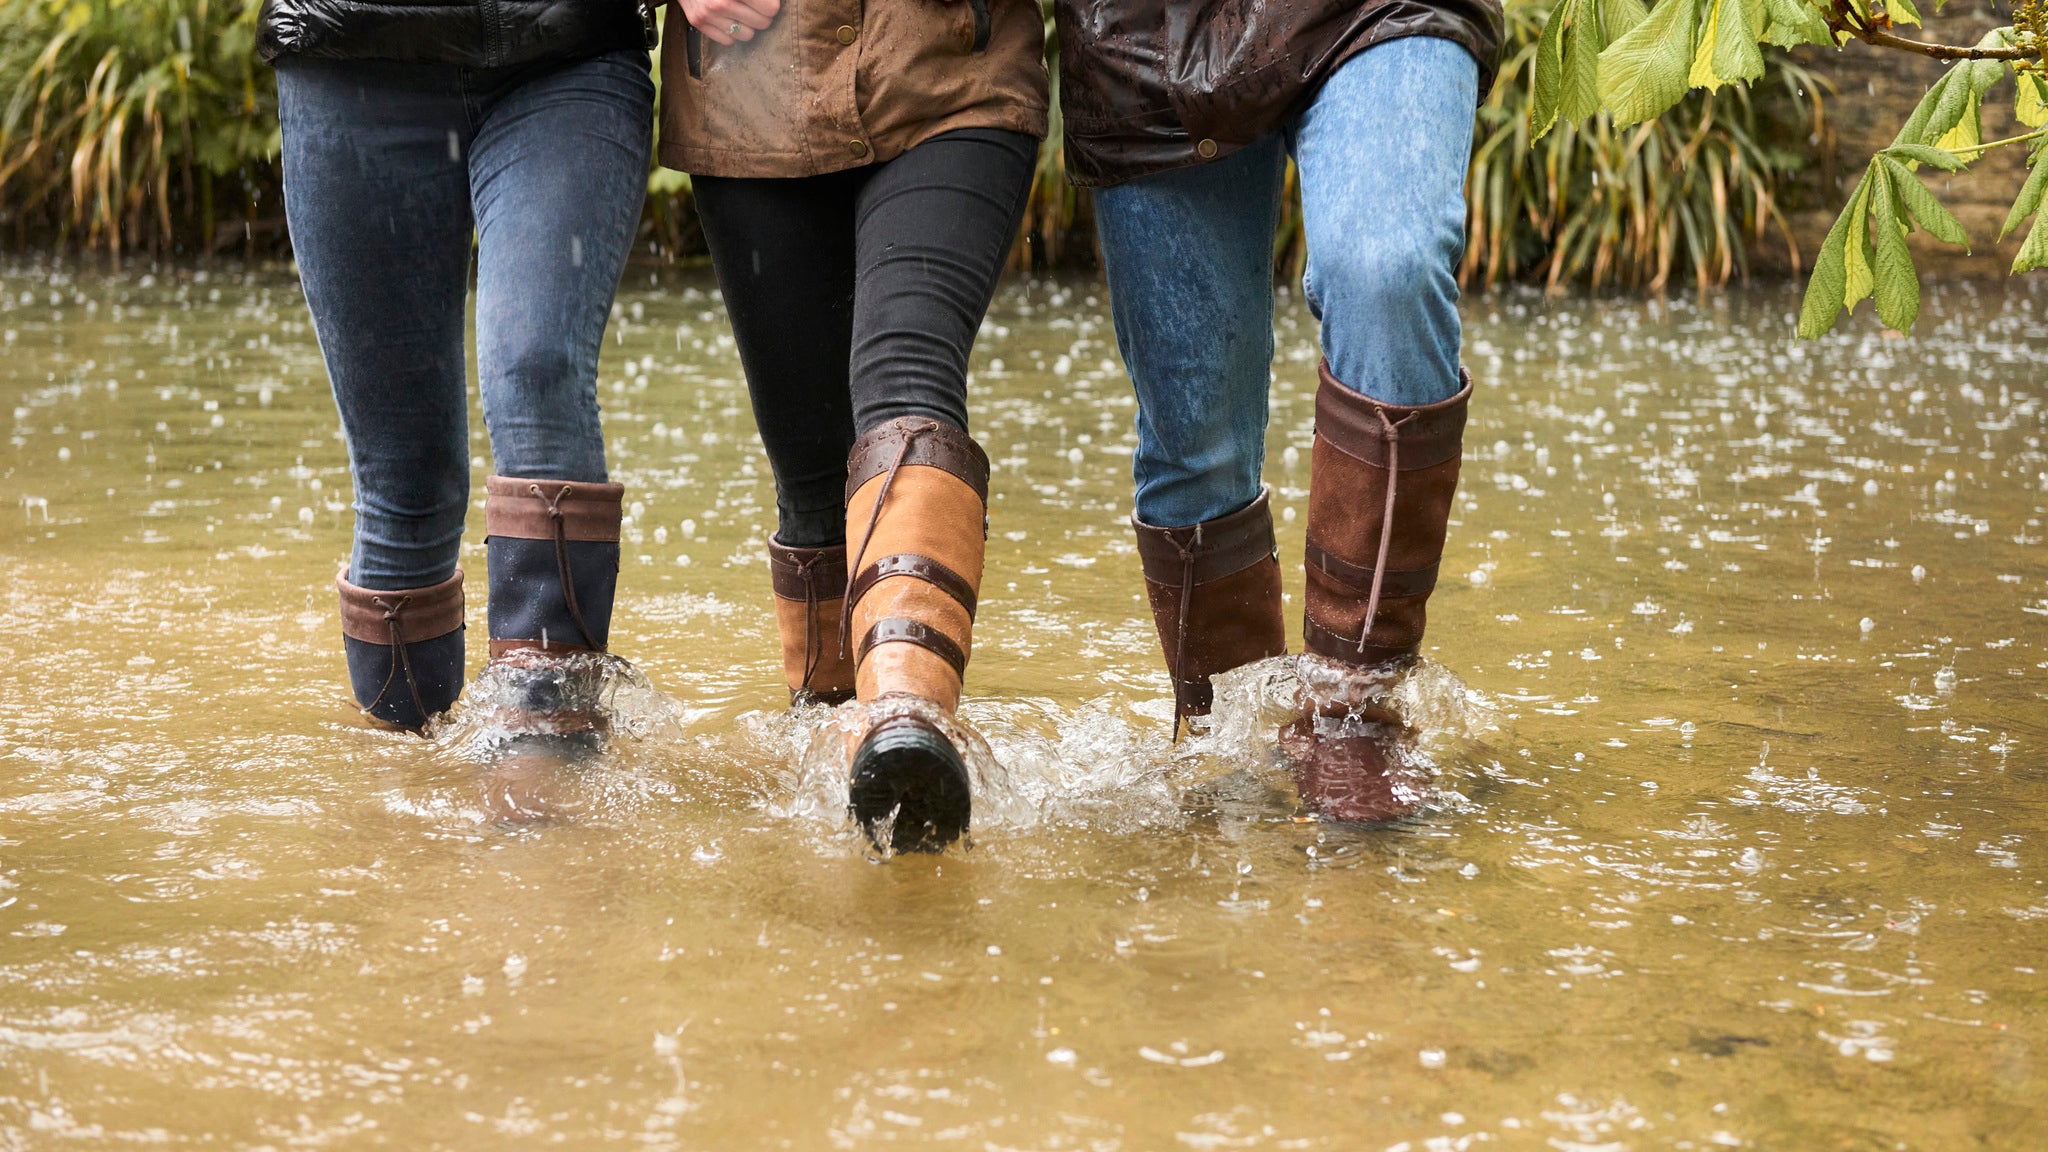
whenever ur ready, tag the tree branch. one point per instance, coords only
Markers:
(1884, 39)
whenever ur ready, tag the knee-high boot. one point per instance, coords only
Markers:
(404, 648)
(917, 524)
(1214, 588)
(810, 597)
(1381, 485)
(554, 566)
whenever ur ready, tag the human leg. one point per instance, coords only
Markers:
(558, 172)
(377, 201)
(931, 233)
(932, 230)
(1383, 152)
(1189, 259)
(783, 250)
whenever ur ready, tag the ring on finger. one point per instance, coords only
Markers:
(733, 29)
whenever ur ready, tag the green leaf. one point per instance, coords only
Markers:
(1856, 257)
(1790, 23)
(2030, 195)
(1736, 56)
(1903, 12)
(1583, 43)
(1926, 210)
(1969, 128)
(1828, 287)
(2030, 106)
(1898, 285)
(1643, 72)
(1953, 97)
(1618, 16)
(1549, 70)
(2034, 253)
(1927, 154)
(1700, 74)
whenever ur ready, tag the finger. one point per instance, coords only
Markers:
(711, 30)
(735, 12)
(767, 8)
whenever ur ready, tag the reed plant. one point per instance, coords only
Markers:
(1692, 192)
(130, 124)
(149, 125)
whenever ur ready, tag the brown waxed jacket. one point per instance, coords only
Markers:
(1150, 85)
(834, 84)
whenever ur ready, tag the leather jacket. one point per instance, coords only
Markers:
(471, 33)
(1151, 85)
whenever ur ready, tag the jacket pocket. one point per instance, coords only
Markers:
(693, 49)
(982, 24)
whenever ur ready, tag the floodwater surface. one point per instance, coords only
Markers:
(1737, 715)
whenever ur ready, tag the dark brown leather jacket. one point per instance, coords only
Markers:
(1149, 85)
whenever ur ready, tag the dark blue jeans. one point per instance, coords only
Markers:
(391, 171)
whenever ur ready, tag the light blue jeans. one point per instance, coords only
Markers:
(1382, 151)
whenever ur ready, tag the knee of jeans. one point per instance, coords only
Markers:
(541, 409)
(1391, 276)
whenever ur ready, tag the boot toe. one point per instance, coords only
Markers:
(381, 688)
(1350, 775)
(910, 791)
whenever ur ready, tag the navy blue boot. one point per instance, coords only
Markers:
(405, 648)
(554, 557)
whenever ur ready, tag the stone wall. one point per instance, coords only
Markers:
(1875, 90)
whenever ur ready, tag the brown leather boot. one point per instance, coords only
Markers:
(917, 526)
(810, 597)
(1380, 490)
(1215, 593)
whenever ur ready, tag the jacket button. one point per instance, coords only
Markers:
(1206, 149)
(846, 33)
(859, 148)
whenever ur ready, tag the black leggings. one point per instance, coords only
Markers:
(855, 297)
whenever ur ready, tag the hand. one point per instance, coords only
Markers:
(730, 21)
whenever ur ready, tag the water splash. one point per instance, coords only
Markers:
(1036, 764)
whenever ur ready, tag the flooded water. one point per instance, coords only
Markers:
(1739, 727)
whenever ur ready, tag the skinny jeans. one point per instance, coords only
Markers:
(855, 297)
(392, 173)
(1382, 150)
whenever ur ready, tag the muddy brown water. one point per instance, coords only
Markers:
(1739, 717)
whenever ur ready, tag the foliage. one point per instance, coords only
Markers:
(120, 120)
(148, 124)
(1600, 199)
(1613, 58)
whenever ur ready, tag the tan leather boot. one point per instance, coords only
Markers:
(810, 598)
(917, 525)
(1215, 594)
(1381, 484)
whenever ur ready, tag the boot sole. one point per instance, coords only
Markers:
(910, 786)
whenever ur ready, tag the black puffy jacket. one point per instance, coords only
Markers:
(472, 33)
